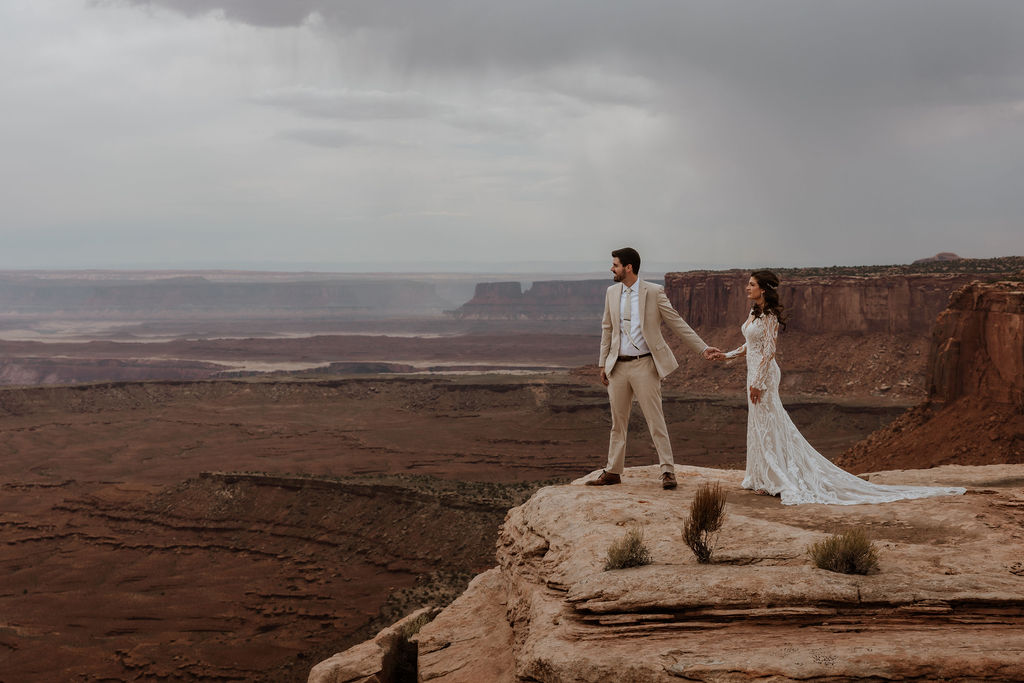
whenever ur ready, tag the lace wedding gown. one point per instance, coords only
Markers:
(779, 459)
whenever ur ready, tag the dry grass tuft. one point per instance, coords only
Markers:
(629, 551)
(850, 552)
(412, 627)
(707, 513)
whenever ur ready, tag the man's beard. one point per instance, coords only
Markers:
(617, 278)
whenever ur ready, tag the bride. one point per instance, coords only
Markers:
(779, 459)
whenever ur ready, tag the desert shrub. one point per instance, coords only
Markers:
(628, 551)
(849, 552)
(707, 513)
(413, 626)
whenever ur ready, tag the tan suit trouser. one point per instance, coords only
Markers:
(636, 378)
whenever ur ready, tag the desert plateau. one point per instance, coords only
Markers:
(234, 477)
(511, 342)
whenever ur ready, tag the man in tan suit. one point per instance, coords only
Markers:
(635, 358)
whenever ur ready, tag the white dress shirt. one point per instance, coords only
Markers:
(631, 339)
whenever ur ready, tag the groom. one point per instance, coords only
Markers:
(635, 358)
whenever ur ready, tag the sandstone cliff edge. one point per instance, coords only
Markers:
(947, 602)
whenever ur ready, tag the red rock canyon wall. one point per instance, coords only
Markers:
(978, 345)
(839, 304)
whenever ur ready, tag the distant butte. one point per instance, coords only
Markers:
(941, 256)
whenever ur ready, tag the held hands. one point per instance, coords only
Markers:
(713, 353)
(716, 354)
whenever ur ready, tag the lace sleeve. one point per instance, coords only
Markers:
(737, 352)
(768, 344)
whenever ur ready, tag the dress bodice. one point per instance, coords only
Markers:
(760, 335)
(753, 332)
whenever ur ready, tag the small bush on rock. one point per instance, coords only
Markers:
(707, 513)
(413, 626)
(850, 552)
(628, 551)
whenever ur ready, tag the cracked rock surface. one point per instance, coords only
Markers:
(946, 602)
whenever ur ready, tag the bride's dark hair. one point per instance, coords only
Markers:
(769, 283)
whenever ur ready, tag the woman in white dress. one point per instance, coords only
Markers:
(780, 462)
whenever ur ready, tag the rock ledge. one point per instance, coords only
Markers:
(948, 601)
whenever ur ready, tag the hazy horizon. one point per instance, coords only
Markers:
(575, 268)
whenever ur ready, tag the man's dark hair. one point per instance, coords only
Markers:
(628, 256)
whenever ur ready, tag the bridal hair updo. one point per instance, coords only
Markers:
(769, 284)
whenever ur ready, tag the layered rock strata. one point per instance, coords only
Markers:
(947, 601)
(847, 304)
(845, 299)
(978, 345)
(227, 577)
(975, 375)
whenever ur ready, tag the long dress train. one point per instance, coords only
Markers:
(779, 459)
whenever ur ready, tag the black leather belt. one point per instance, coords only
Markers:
(626, 359)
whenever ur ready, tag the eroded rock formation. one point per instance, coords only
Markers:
(975, 408)
(227, 577)
(978, 345)
(848, 335)
(844, 300)
(948, 600)
(853, 331)
(891, 304)
(551, 299)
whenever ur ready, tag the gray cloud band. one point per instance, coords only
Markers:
(802, 116)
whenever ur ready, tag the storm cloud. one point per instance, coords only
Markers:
(714, 133)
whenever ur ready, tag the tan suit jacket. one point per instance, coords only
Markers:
(655, 309)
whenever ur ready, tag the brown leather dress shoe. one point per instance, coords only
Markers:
(668, 480)
(606, 479)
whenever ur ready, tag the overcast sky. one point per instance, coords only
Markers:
(414, 133)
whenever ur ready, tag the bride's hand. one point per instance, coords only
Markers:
(713, 353)
(755, 395)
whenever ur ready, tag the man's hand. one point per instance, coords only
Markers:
(604, 377)
(711, 352)
(755, 395)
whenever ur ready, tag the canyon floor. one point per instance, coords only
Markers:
(54, 351)
(366, 496)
